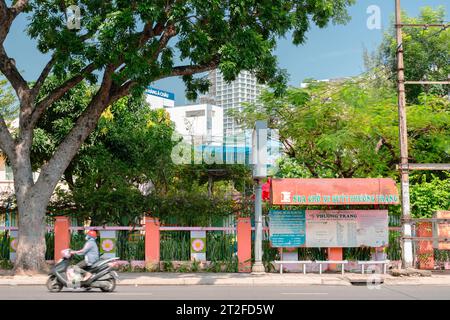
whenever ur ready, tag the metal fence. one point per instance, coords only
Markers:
(221, 244)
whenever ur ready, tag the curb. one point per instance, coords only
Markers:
(269, 280)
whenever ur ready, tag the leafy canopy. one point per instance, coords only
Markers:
(426, 52)
(349, 128)
(145, 39)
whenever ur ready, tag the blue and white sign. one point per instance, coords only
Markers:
(287, 228)
(160, 93)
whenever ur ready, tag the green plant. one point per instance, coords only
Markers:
(269, 255)
(430, 196)
(6, 264)
(4, 246)
(312, 254)
(168, 266)
(214, 266)
(50, 246)
(442, 255)
(195, 266)
(232, 265)
(220, 246)
(357, 254)
(130, 245)
(183, 268)
(394, 251)
(175, 246)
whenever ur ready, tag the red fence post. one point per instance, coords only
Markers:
(425, 251)
(152, 241)
(244, 244)
(62, 235)
(335, 254)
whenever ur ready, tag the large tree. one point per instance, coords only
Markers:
(127, 45)
(426, 53)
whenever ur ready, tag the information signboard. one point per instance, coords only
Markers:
(287, 228)
(346, 228)
(328, 228)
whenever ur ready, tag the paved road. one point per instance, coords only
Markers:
(233, 293)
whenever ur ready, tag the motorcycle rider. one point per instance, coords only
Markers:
(90, 253)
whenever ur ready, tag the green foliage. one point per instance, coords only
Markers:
(130, 246)
(175, 246)
(50, 246)
(429, 196)
(357, 254)
(220, 246)
(195, 266)
(188, 208)
(125, 168)
(6, 265)
(312, 254)
(394, 251)
(4, 246)
(349, 128)
(183, 268)
(426, 53)
(238, 35)
(130, 148)
(269, 255)
(168, 266)
(8, 101)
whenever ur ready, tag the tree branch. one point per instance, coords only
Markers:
(125, 88)
(8, 68)
(42, 77)
(19, 6)
(7, 16)
(58, 92)
(52, 172)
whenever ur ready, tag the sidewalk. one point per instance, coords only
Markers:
(240, 279)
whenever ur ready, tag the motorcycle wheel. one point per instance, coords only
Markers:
(110, 285)
(53, 285)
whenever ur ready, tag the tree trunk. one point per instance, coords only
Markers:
(31, 205)
(31, 248)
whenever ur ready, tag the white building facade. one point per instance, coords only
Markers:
(201, 122)
(230, 96)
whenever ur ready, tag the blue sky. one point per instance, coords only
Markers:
(333, 52)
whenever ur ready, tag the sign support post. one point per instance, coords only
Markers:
(258, 267)
(259, 159)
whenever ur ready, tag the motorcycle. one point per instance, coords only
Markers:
(63, 274)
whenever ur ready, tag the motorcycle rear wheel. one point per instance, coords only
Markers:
(53, 285)
(110, 285)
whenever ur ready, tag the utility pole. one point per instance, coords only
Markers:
(405, 167)
(407, 252)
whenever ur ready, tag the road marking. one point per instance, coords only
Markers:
(132, 293)
(306, 293)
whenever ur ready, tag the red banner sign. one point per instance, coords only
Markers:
(354, 191)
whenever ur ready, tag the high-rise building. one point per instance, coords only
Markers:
(230, 96)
